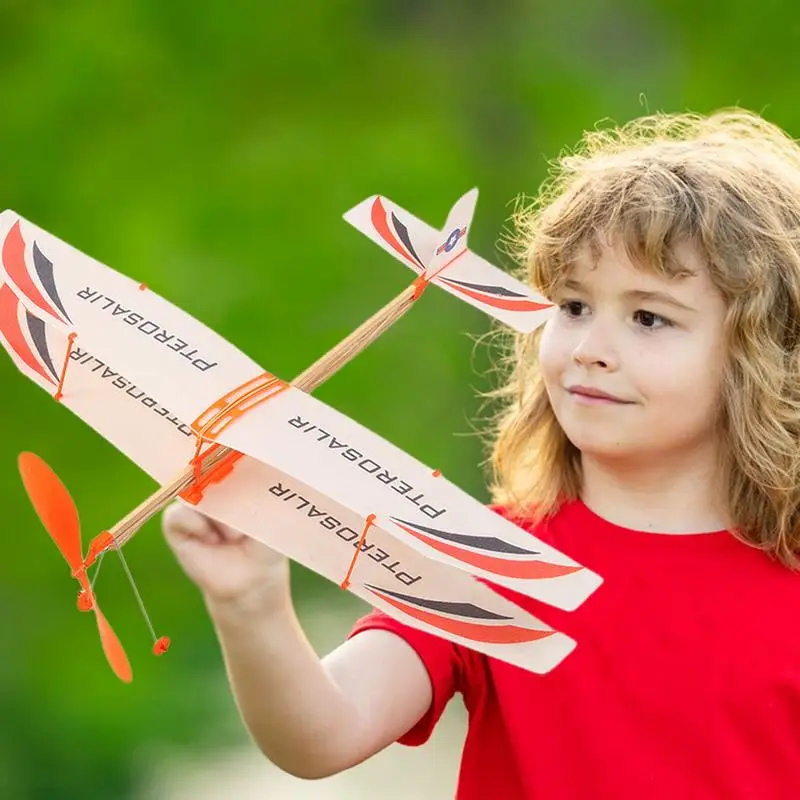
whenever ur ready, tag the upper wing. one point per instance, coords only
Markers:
(309, 441)
(445, 258)
(24, 337)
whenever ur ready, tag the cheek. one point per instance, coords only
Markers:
(553, 353)
(683, 392)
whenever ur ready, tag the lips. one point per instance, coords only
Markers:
(596, 394)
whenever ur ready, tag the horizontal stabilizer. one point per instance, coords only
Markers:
(445, 259)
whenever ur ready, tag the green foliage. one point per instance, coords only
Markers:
(210, 150)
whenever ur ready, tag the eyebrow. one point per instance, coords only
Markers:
(638, 294)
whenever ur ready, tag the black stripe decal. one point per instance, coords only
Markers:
(490, 543)
(402, 233)
(39, 337)
(499, 291)
(44, 269)
(459, 609)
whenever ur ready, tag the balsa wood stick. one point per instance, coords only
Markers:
(307, 381)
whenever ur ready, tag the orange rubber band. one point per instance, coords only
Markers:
(237, 402)
(194, 494)
(420, 285)
(448, 263)
(59, 391)
(422, 282)
(216, 418)
(346, 582)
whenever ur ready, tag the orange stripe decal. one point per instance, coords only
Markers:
(11, 329)
(504, 303)
(14, 262)
(474, 631)
(382, 227)
(506, 567)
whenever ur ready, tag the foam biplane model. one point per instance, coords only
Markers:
(213, 428)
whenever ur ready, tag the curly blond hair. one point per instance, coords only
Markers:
(729, 184)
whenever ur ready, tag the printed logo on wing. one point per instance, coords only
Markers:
(18, 270)
(18, 330)
(495, 296)
(452, 240)
(466, 620)
(395, 234)
(488, 553)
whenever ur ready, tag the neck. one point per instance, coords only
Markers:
(660, 495)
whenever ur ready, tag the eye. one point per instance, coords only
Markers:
(650, 320)
(572, 308)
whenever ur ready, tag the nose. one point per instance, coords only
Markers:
(596, 346)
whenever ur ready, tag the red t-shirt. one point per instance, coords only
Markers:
(685, 682)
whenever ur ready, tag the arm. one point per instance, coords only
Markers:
(311, 717)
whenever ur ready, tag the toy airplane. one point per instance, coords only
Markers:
(262, 455)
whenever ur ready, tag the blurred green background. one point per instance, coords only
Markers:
(210, 149)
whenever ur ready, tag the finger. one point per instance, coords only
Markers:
(179, 522)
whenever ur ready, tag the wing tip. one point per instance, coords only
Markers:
(351, 212)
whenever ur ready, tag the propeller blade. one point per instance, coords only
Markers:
(54, 505)
(112, 647)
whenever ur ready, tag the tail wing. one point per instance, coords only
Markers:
(446, 260)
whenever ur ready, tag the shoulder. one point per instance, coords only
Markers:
(545, 525)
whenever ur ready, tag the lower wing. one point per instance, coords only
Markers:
(313, 530)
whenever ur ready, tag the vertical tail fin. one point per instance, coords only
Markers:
(455, 232)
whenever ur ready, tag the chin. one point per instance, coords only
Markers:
(605, 446)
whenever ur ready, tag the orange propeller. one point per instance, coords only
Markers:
(57, 511)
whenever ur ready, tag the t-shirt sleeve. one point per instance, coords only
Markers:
(441, 659)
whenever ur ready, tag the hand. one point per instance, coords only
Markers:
(226, 564)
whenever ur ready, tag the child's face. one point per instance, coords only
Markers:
(663, 362)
